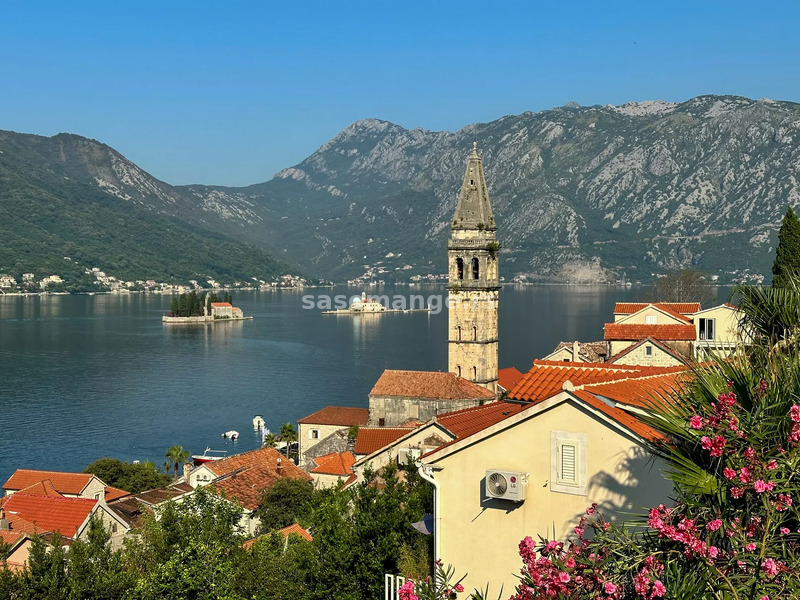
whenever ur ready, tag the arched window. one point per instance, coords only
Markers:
(459, 371)
(460, 267)
(459, 333)
(474, 334)
(474, 373)
(475, 268)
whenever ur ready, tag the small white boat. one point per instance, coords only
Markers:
(232, 434)
(199, 459)
(258, 422)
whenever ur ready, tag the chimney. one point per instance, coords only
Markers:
(576, 347)
(4, 524)
(280, 466)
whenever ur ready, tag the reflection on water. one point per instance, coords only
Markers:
(91, 376)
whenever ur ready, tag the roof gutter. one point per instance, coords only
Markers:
(426, 472)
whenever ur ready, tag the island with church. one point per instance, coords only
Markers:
(192, 308)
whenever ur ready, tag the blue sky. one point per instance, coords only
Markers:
(229, 93)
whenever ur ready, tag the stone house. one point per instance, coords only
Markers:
(402, 395)
(69, 485)
(324, 423)
(331, 469)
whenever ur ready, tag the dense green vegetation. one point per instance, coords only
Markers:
(194, 550)
(787, 256)
(127, 476)
(53, 208)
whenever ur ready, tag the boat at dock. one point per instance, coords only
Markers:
(207, 456)
(232, 434)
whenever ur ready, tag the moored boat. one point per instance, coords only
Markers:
(199, 459)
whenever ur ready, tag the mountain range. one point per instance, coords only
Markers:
(580, 194)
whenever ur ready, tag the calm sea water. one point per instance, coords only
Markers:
(82, 377)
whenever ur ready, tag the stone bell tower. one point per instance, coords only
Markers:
(473, 282)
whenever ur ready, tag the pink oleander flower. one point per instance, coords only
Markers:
(658, 589)
(714, 525)
(750, 454)
(713, 552)
(744, 475)
(696, 422)
(564, 577)
(764, 598)
(729, 473)
(794, 413)
(784, 531)
(717, 445)
(770, 567)
(406, 591)
(750, 547)
(570, 563)
(705, 442)
(737, 492)
(772, 465)
(459, 587)
(609, 588)
(760, 486)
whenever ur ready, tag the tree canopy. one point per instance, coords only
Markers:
(787, 255)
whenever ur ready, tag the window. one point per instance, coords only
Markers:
(708, 329)
(459, 370)
(568, 462)
(474, 373)
(460, 267)
(651, 320)
(474, 334)
(381, 422)
(113, 528)
(475, 268)
(459, 333)
(472, 182)
(313, 434)
(648, 351)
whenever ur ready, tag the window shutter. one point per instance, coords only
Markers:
(569, 459)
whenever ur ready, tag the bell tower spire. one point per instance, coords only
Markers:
(473, 281)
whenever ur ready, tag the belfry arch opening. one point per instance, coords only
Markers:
(460, 267)
(475, 268)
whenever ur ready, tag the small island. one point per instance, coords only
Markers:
(191, 308)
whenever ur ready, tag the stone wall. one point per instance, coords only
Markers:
(395, 410)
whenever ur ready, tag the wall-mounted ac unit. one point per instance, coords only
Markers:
(404, 454)
(506, 485)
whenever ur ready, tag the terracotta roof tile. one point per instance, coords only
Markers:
(684, 308)
(508, 378)
(48, 513)
(640, 392)
(113, 493)
(221, 304)
(370, 439)
(10, 536)
(335, 463)
(467, 421)
(434, 385)
(285, 532)
(620, 416)
(625, 331)
(245, 475)
(547, 378)
(343, 416)
(64, 483)
(41, 488)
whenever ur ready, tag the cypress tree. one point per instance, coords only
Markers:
(787, 257)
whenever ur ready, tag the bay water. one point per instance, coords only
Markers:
(83, 377)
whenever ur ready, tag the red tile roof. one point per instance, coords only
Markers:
(508, 378)
(620, 416)
(285, 532)
(42, 488)
(9, 536)
(48, 513)
(295, 528)
(221, 304)
(342, 416)
(370, 439)
(65, 483)
(113, 493)
(625, 331)
(684, 308)
(467, 421)
(641, 391)
(335, 463)
(245, 475)
(547, 378)
(434, 385)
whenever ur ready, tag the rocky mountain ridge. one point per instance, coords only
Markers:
(579, 193)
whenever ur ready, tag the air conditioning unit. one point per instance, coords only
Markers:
(404, 454)
(506, 485)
